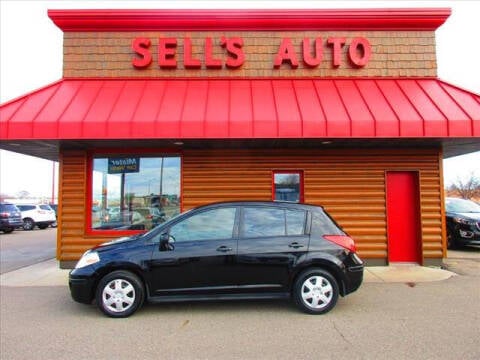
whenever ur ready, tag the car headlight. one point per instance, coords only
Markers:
(89, 258)
(464, 221)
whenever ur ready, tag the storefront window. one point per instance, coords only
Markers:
(288, 186)
(134, 192)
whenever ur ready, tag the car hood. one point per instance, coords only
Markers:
(119, 242)
(473, 216)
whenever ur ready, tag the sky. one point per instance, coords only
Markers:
(31, 57)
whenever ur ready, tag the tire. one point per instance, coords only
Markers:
(119, 294)
(7, 230)
(42, 227)
(451, 243)
(315, 291)
(28, 224)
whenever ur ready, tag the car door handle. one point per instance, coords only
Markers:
(224, 248)
(295, 245)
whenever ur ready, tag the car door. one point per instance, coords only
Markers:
(201, 257)
(271, 241)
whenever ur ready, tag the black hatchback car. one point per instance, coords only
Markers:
(463, 223)
(10, 218)
(231, 250)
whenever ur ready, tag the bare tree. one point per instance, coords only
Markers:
(23, 194)
(468, 188)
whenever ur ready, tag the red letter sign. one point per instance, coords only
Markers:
(286, 53)
(236, 57)
(337, 49)
(188, 61)
(360, 51)
(140, 46)
(210, 62)
(166, 52)
(307, 57)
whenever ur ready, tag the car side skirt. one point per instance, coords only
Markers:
(204, 297)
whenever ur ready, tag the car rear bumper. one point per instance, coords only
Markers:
(11, 224)
(353, 274)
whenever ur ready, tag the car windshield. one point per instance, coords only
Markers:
(462, 206)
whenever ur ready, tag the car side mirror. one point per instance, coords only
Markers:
(167, 242)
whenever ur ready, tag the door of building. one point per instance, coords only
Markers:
(403, 216)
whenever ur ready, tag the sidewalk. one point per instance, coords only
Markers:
(48, 273)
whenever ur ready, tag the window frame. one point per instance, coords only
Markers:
(141, 152)
(301, 187)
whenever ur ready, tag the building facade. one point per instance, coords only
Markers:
(160, 111)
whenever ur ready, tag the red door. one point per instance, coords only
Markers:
(403, 217)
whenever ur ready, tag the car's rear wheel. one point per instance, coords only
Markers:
(120, 294)
(28, 224)
(316, 291)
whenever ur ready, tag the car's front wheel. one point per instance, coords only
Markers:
(120, 294)
(315, 291)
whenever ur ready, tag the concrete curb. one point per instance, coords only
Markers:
(405, 273)
(48, 273)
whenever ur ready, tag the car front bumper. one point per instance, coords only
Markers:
(466, 235)
(82, 285)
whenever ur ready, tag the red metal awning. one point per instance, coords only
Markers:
(242, 109)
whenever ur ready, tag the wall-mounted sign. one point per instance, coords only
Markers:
(123, 165)
(359, 53)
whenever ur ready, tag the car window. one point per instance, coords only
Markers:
(26, 207)
(46, 207)
(322, 224)
(207, 225)
(263, 221)
(8, 207)
(295, 222)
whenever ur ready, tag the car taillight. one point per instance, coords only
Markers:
(344, 241)
(4, 214)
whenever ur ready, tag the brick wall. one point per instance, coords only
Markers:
(109, 54)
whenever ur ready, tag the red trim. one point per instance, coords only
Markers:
(299, 172)
(141, 151)
(249, 19)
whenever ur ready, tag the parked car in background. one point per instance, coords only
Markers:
(54, 208)
(126, 220)
(10, 218)
(153, 216)
(37, 215)
(463, 223)
(224, 251)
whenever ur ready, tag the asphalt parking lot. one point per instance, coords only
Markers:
(402, 320)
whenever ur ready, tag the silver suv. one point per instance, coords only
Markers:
(37, 215)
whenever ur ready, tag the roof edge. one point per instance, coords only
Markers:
(86, 20)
